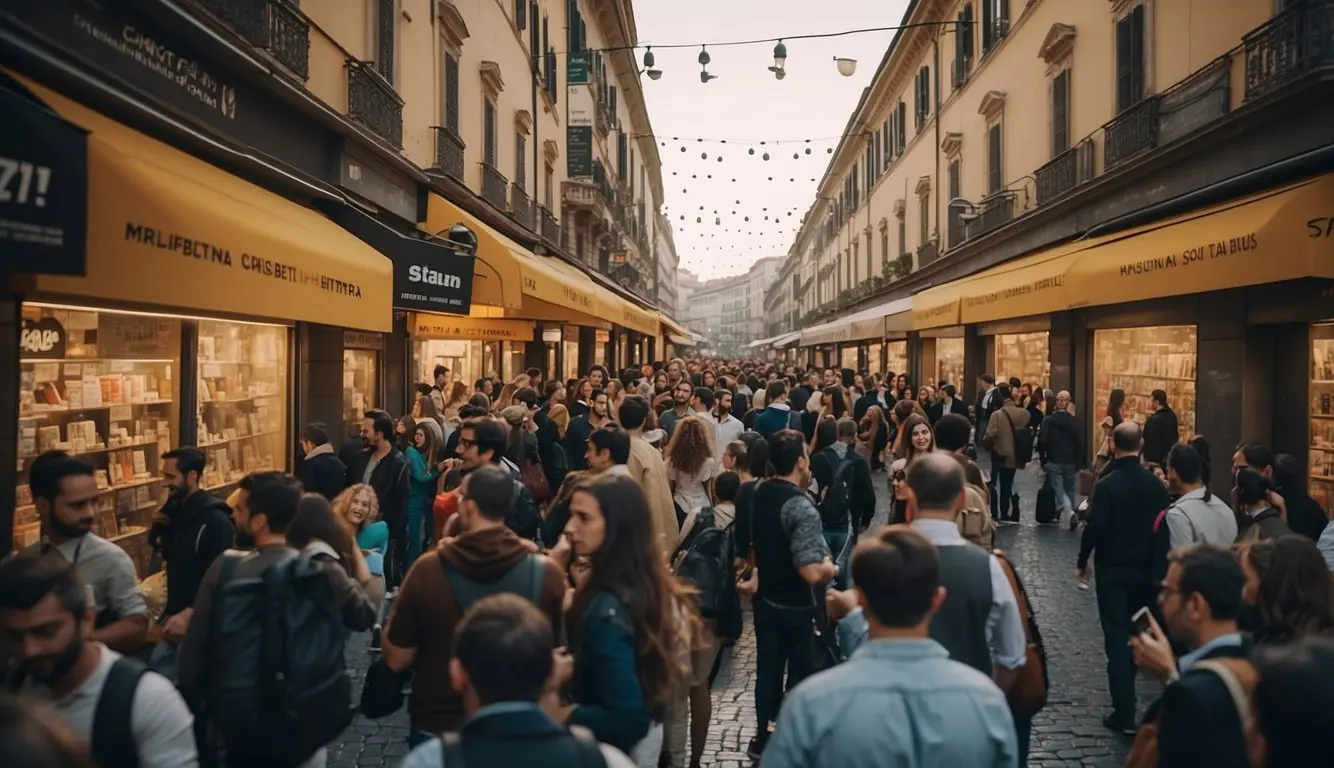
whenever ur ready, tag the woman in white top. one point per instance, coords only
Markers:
(691, 463)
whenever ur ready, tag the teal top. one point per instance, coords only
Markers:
(421, 495)
(373, 537)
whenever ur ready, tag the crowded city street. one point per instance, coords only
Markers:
(648, 384)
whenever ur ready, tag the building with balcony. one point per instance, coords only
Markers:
(727, 311)
(1094, 196)
(666, 262)
(613, 186)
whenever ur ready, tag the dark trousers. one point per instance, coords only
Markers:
(782, 642)
(396, 556)
(1001, 487)
(1121, 592)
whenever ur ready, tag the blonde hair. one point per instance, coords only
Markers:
(234, 499)
(343, 502)
(560, 416)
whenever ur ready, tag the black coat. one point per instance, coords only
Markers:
(354, 455)
(1160, 434)
(193, 535)
(576, 443)
(863, 492)
(1198, 721)
(1122, 510)
(1304, 513)
(1059, 439)
(864, 403)
(390, 480)
(324, 474)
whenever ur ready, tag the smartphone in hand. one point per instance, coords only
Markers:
(1139, 623)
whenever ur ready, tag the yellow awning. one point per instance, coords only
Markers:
(1282, 234)
(607, 305)
(428, 325)
(1029, 285)
(166, 228)
(935, 307)
(673, 327)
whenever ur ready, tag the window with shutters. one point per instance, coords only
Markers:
(630, 172)
(386, 12)
(954, 181)
(553, 76)
(954, 190)
(995, 154)
(573, 21)
(903, 236)
(534, 30)
(923, 99)
(489, 133)
(1060, 113)
(520, 160)
(995, 23)
(884, 246)
(901, 131)
(924, 223)
(963, 45)
(521, 14)
(451, 100)
(1130, 59)
(548, 182)
(885, 140)
(621, 156)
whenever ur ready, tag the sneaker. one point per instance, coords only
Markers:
(1074, 521)
(755, 750)
(1123, 727)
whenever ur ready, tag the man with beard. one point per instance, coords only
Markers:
(386, 472)
(576, 435)
(682, 394)
(729, 426)
(192, 529)
(64, 489)
(126, 714)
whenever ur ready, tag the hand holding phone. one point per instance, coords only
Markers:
(1140, 623)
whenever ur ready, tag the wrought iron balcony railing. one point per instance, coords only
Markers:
(993, 213)
(1065, 172)
(927, 253)
(521, 207)
(271, 25)
(1288, 45)
(449, 153)
(495, 187)
(1131, 133)
(373, 102)
(550, 227)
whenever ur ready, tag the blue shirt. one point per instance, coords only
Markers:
(899, 703)
(1232, 639)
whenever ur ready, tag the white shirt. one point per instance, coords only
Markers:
(1005, 628)
(691, 490)
(162, 725)
(729, 430)
(107, 571)
(618, 470)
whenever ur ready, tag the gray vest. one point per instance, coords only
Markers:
(961, 624)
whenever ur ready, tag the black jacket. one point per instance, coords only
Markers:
(354, 455)
(323, 473)
(1304, 513)
(576, 443)
(1059, 439)
(864, 403)
(523, 738)
(390, 480)
(549, 450)
(1160, 434)
(190, 539)
(987, 403)
(1198, 721)
(1125, 503)
(1268, 524)
(863, 493)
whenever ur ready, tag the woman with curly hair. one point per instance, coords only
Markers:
(632, 628)
(359, 508)
(1287, 590)
(691, 464)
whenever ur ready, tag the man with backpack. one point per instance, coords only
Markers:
(488, 558)
(703, 559)
(263, 658)
(777, 414)
(127, 715)
(846, 494)
(504, 672)
(1196, 721)
(1010, 443)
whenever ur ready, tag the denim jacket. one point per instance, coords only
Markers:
(608, 696)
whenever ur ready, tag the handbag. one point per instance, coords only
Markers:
(382, 693)
(822, 649)
(535, 480)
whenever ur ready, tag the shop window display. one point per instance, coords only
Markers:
(1024, 355)
(847, 358)
(466, 360)
(103, 386)
(513, 360)
(1322, 415)
(1140, 360)
(361, 368)
(896, 358)
(949, 362)
(242, 412)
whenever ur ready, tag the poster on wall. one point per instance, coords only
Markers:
(579, 151)
(43, 188)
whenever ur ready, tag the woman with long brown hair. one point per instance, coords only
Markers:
(915, 439)
(690, 463)
(872, 436)
(631, 625)
(1287, 590)
(580, 397)
(423, 483)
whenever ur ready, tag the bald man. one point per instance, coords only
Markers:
(1125, 503)
(1059, 443)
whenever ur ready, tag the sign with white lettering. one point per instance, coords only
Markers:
(43, 189)
(42, 339)
(429, 275)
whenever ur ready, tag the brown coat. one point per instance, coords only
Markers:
(1000, 436)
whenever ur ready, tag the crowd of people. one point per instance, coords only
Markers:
(550, 570)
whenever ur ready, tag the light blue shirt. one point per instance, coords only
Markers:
(1232, 639)
(899, 703)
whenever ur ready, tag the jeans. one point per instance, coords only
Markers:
(414, 536)
(1023, 733)
(163, 661)
(1121, 591)
(840, 549)
(396, 558)
(782, 641)
(1001, 487)
(1061, 478)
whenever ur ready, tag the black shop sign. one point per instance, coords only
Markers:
(146, 55)
(42, 339)
(43, 188)
(579, 151)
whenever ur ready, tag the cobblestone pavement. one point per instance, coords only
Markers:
(1068, 732)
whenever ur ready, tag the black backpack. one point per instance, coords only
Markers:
(836, 500)
(113, 744)
(281, 689)
(1046, 511)
(1023, 443)
(704, 560)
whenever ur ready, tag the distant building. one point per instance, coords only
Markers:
(728, 311)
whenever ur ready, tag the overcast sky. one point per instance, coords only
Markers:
(747, 105)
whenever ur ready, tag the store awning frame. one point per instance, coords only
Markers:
(681, 340)
(173, 230)
(872, 323)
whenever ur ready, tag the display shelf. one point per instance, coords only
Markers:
(37, 411)
(239, 438)
(96, 451)
(241, 415)
(1138, 361)
(238, 400)
(1320, 458)
(1025, 355)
